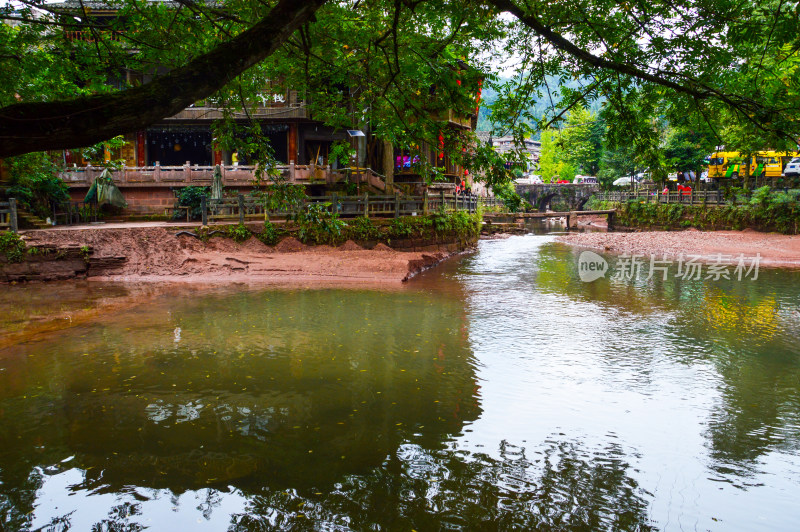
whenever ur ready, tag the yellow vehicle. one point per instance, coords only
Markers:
(731, 164)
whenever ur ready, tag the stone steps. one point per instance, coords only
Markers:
(27, 220)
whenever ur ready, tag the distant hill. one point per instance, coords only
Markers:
(538, 106)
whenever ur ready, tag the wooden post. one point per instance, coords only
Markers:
(241, 209)
(366, 205)
(396, 205)
(204, 210)
(572, 220)
(12, 215)
(425, 202)
(443, 205)
(610, 222)
(291, 144)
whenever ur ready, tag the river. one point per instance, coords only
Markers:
(497, 391)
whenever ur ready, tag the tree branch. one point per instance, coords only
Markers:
(38, 126)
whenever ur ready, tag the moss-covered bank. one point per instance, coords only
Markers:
(322, 228)
(766, 211)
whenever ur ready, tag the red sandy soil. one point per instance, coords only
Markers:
(156, 254)
(775, 249)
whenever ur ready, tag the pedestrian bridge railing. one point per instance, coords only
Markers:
(688, 197)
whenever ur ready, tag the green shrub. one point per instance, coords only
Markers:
(191, 197)
(318, 225)
(401, 228)
(35, 183)
(765, 210)
(12, 246)
(362, 228)
(507, 193)
(239, 233)
(271, 234)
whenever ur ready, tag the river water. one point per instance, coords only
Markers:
(497, 391)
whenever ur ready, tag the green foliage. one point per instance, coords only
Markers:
(318, 225)
(563, 152)
(444, 224)
(34, 183)
(271, 234)
(86, 253)
(761, 196)
(277, 194)
(506, 192)
(768, 211)
(687, 149)
(191, 197)
(340, 153)
(578, 146)
(238, 233)
(97, 154)
(403, 227)
(362, 228)
(459, 223)
(12, 246)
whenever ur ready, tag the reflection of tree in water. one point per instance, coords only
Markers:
(272, 390)
(15, 504)
(747, 330)
(755, 355)
(563, 487)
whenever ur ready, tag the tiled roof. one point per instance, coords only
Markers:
(484, 136)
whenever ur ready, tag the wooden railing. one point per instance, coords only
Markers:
(491, 202)
(693, 197)
(195, 175)
(74, 212)
(8, 215)
(243, 207)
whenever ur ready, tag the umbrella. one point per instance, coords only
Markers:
(104, 191)
(216, 184)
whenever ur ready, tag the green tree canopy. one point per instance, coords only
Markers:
(398, 64)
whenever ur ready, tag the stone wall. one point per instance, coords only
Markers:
(144, 200)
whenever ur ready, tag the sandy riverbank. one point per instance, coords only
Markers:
(157, 254)
(776, 250)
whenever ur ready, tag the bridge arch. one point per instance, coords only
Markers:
(541, 195)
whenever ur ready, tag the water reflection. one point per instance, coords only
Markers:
(286, 389)
(701, 378)
(497, 391)
(562, 485)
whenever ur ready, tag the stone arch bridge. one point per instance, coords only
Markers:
(542, 196)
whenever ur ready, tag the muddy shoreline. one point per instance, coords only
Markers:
(167, 254)
(776, 250)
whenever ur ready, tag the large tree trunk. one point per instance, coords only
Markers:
(388, 162)
(38, 126)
